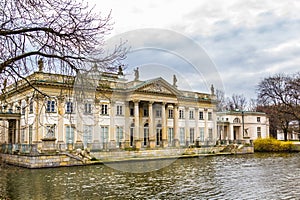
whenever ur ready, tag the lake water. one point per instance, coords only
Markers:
(255, 176)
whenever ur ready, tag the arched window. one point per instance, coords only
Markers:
(236, 120)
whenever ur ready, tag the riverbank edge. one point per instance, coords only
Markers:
(68, 160)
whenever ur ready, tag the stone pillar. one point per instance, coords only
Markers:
(136, 137)
(26, 120)
(187, 128)
(176, 129)
(39, 120)
(205, 116)
(79, 126)
(164, 125)
(3, 133)
(112, 143)
(150, 122)
(96, 132)
(18, 135)
(127, 125)
(197, 131)
(60, 123)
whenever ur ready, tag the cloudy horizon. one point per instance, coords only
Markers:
(246, 40)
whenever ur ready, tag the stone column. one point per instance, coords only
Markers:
(197, 131)
(26, 120)
(164, 125)
(60, 124)
(136, 138)
(205, 116)
(187, 128)
(150, 122)
(176, 129)
(96, 132)
(3, 133)
(79, 126)
(18, 135)
(39, 119)
(112, 143)
(127, 125)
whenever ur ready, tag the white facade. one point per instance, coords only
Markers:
(238, 125)
(143, 114)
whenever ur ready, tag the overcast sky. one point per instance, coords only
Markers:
(246, 40)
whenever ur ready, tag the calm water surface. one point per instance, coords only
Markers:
(257, 176)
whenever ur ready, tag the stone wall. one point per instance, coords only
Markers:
(40, 161)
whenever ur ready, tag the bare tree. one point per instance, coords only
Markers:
(68, 36)
(221, 103)
(281, 90)
(236, 102)
(252, 105)
(281, 93)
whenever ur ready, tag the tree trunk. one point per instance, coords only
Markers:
(285, 133)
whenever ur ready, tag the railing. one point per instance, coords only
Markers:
(19, 148)
(225, 142)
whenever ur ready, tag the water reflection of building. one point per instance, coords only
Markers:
(115, 114)
(242, 125)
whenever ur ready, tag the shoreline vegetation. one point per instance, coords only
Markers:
(274, 145)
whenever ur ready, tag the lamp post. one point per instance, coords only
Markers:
(243, 124)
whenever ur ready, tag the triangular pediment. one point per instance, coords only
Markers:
(158, 86)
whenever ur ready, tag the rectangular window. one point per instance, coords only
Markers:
(202, 134)
(30, 134)
(119, 110)
(69, 107)
(192, 135)
(104, 109)
(131, 111)
(210, 134)
(170, 114)
(50, 107)
(119, 135)
(191, 114)
(259, 132)
(23, 109)
(22, 135)
(69, 134)
(87, 108)
(87, 135)
(146, 113)
(158, 113)
(201, 115)
(182, 136)
(181, 114)
(209, 115)
(104, 134)
(31, 107)
(258, 119)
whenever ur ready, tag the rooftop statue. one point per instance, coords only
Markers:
(136, 74)
(174, 80)
(120, 72)
(212, 89)
(41, 64)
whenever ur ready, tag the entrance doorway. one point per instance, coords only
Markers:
(158, 134)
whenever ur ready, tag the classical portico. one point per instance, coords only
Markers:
(10, 127)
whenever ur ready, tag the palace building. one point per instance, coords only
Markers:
(105, 111)
(241, 126)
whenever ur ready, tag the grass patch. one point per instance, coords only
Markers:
(273, 145)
